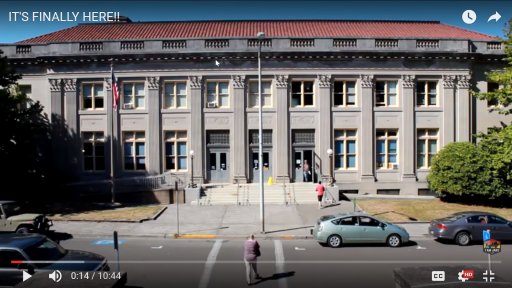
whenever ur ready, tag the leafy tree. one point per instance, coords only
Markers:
(502, 97)
(25, 134)
(459, 169)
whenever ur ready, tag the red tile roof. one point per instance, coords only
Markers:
(272, 29)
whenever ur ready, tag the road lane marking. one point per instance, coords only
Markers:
(210, 262)
(300, 249)
(278, 247)
(157, 247)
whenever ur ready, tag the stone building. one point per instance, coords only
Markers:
(385, 96)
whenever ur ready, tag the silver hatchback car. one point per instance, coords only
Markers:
(334, 230)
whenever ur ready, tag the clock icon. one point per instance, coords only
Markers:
(469, 16)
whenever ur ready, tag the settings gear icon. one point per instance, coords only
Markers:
(461, 276)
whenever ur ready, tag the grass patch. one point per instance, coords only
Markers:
(399, 210)
(114, 214)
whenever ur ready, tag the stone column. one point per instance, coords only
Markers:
(448, 109)
(282, 149)
(59, 132)
(56, 105)
(154, 131)
(195, 135)
(239, 129)
(70, 118)
(407, 135)
(367, 133)
(463, 118)
(325, 124)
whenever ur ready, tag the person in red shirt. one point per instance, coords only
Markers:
(320, 189)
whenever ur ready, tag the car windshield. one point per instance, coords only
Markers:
(45, 250)
(11, 209)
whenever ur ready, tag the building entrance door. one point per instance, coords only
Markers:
(300, 157)
(218, 165)
(267, 166)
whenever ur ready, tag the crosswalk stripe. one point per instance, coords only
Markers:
(278, 245)
(210, 262)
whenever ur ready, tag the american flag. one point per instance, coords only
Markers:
(115, 90)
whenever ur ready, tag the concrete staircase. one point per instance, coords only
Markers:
(249, 194)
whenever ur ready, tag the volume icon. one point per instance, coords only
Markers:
(56, 276)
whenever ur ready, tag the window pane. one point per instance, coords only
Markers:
(169, 100)
(392, 146)
(351, 87)
(100, 149)
(98, 89)
(223, 88)
(420, 99)
(141, 163)
(420, 87)
(87, 102)
(98, 102)
(308, 99)
(169, 163)
(253, 87)
(351, 133)
(392, 158)
(140, 101)
(296, 87)
(182, 163)
(266, 87)
(139, 88)
(432, 146)
(182, 101)
(351, 99)
(88, 163)
(338, 161)
(100, 163)
(308, 87)
(392, 100)
(87, 90)
(181, 88)
(211, 98)
(421, 146)
(253, 100)
(339, 147)
(380, 160)
(139, 135)
(432, 98)
(224, 101)
(128, 149)
(381, 146)
(351, 161)
(140, 147)
(432, 87)
(267, 100)
(421, 160)
(128, 163)
(351, 146)
(392, 87)
(182, 149)
(169, 148)
(295, 100)
(379, 87)
(127, 93)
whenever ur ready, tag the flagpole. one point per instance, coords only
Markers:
(114, 109)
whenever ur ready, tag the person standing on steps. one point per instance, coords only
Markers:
(251, 254)
(306, 170)
(320, 190)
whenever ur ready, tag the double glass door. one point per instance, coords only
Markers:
(218, 165)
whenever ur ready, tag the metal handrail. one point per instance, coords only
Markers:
(237, 192)
(286, 201)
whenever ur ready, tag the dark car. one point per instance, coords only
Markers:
(37, 253)
(465, 227)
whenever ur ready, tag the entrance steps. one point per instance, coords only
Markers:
(249, 194)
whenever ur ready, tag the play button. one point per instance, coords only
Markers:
(26, 276)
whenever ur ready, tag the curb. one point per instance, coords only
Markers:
(154, 217)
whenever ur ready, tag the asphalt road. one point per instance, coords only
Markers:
(152, 262)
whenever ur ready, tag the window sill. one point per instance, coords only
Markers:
(351, 170)
(388, 170)
(255, 110)
(387, 109)
(133, 111)
(346, 109)
(217, 110)
(175, 110)
(299, 109)
(428, 109)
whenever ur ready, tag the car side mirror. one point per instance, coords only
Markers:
(382, 225)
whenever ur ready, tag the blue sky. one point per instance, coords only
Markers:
(445, 11)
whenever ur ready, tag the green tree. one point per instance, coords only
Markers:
(502, 97)
(25, 134)
(459, 169)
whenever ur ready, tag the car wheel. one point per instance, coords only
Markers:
(22, 230)
(394, 240)
(462, 238)
(334, 241)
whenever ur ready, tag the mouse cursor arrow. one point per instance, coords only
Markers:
(496, 16)
(217, 63)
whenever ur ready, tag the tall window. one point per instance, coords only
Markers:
(175, 95)
(344, 93)
(427, 146)
(133, 95)
(345, 149)
(302, 93)
(426, 93)
(134, 150)
(387, 149)
(266, 93)
(217, 94)
(92, 96)
(93, 148)
(175, 150)
(386, 93)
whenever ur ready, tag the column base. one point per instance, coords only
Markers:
(409, 178)
(241, 179)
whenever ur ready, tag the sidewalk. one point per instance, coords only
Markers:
(285, 222)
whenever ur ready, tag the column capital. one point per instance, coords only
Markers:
(449, 81)
(195, 82)
(463, 81)
(238, 81)
(324, 81)
(366, 81)
(281, 81)
(55, 85)
(408, 81)
(69, 85)
(153, 82)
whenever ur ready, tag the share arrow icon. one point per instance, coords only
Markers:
(26, 276)
(496, 16)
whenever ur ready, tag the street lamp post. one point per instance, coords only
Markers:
(260, 36)
(331, 180)
(191, 168)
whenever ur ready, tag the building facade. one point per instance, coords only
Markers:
(384, 96)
